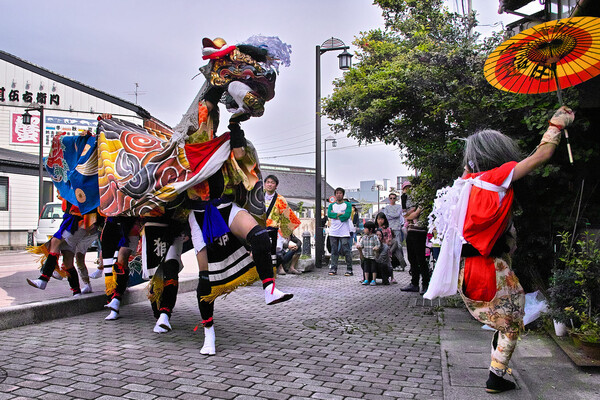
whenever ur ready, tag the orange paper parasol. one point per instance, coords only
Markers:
(546, 58)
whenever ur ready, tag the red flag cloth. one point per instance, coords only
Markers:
(199, 154)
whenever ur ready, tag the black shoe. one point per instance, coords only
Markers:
(410, 288)
(385, 282)
(348, 273)
(422, 292)
(497, 384)
(332, 273)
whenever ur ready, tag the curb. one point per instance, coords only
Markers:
(33, 313)
(452, 351)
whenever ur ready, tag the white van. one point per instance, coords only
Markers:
(49, 222)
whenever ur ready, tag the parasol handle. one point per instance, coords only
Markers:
(560, 101)
(558, 89)
(568, 146)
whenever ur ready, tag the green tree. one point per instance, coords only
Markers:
(419, 84)
(300, 209)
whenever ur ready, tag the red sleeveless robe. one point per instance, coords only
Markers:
(487, 217)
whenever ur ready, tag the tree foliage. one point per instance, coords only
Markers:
(419, 84)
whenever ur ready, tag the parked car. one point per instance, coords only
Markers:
(49, 222)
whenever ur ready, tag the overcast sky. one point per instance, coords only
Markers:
(112, 44)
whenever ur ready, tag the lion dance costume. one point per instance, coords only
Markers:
(154, 179)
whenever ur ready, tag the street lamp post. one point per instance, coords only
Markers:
(333, 144)
(27, 121)
(378, 187)
(345, 61)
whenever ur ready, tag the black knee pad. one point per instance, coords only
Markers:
(259, 240)
(171, 270)
(260, 244)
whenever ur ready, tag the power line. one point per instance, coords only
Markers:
(312, 152)
(286, 138)
(287, 146)
(276, 136)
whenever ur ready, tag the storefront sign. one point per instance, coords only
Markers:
(29, 134)
(15, 96)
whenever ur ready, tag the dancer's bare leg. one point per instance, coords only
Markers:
(83, 272)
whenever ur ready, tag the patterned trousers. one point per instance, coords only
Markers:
(503, 313)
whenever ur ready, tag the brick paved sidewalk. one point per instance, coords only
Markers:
(335, 340)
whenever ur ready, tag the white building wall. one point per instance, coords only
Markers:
(22, 198)
(76, 111)
(75, 108)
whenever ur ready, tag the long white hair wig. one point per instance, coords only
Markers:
(488, 149)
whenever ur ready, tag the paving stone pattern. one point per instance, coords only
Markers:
(335, 340)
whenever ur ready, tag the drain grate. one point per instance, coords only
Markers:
(348, 325)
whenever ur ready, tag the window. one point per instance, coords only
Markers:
(3, 193)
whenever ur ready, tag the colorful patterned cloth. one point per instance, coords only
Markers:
(283, 217)
(140, 170)
(73, 166)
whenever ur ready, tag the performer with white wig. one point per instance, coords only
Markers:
(475, 219)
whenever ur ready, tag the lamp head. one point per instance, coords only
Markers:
(345, 60)
(26, 118)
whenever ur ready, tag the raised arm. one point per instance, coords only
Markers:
(561, 119)
(237, 140)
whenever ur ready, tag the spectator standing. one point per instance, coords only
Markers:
(368, 246)
(395, 217)
(354, 219)
(382, 259)
(388, 237)
(339, 233)
(280, 217)
(415, 244)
